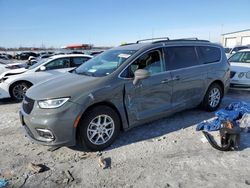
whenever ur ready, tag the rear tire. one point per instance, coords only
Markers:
(213, 97)
(98, 128)
(18, 90)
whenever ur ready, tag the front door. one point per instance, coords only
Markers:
(151, 97)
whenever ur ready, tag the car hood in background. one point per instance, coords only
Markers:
(240, 67)
(64, 85)
(13, 72)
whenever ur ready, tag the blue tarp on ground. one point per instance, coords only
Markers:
(232, 112)
(3, 183)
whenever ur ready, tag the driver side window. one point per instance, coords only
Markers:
(151, 61)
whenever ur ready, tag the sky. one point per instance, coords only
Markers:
(56, 23)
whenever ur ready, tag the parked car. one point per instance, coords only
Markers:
(25, 55)
(240, 70)
(124, 87)
(15, 83)
(236, 49)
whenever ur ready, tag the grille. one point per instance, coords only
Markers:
(28, 105)
(232, 73)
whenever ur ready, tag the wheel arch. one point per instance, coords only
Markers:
(19, 81)
(103, 103)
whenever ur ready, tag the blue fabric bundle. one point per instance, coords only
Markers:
(232, 112)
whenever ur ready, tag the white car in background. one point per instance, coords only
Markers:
(240, 70)
(8, 65)
(15, 83)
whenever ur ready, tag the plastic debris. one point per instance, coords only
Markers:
(245, 122)
(3, 183)
(102, 162)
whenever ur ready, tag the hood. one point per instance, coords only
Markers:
(64, 85)
(240, 67)
(13, 72)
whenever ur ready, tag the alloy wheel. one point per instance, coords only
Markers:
(101, 129)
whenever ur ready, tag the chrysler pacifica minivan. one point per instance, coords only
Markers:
(124, 87)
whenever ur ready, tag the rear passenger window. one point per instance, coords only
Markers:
(180, 57)
(209, 54)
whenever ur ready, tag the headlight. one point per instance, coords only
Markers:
(248, 75)
(241, 74)
(52, 103)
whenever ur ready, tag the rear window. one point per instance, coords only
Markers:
(209, 54)
(180, 57)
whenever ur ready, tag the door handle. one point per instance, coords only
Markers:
(176, 78)
(165, 81)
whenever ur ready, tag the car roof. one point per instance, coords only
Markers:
(70, 55)
(245, 50)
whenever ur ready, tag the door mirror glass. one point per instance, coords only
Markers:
(140, 74)
(42, 68)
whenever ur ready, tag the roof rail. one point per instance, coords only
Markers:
(183, 39)
(166, 38)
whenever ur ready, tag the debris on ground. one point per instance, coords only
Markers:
(84, 155)
(51, 149)
(69, 178)
(36, 168)
(3, 183)
(98, 154)
(102, 162)
(233, 112)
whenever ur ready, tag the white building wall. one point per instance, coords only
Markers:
(236, 39)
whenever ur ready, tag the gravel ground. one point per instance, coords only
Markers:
(165, 153)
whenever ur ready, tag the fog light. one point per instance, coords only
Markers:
(46, 134)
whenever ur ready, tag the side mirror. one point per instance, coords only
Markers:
(42, 68)
(140, 74)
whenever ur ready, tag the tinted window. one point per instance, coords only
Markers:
(209, 54)
(77, 61)
(58, 64)
(180, 57)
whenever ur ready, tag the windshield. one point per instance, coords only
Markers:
(39, 63)
(241, 57)
(105, 63)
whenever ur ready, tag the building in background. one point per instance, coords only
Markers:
(237, 38)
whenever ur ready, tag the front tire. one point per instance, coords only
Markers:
(18, 90)
(99, 128)
(213, 98)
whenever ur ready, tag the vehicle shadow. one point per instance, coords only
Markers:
(8, 101)
(158, 128)
(178, 121)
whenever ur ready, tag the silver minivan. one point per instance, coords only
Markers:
(124, 87)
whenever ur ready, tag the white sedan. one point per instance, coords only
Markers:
(14, 83)
(240, 70)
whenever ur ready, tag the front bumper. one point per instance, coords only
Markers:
(4, 91)
(240, 84)
(57, 122)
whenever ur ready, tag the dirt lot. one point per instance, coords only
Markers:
(165, 153)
